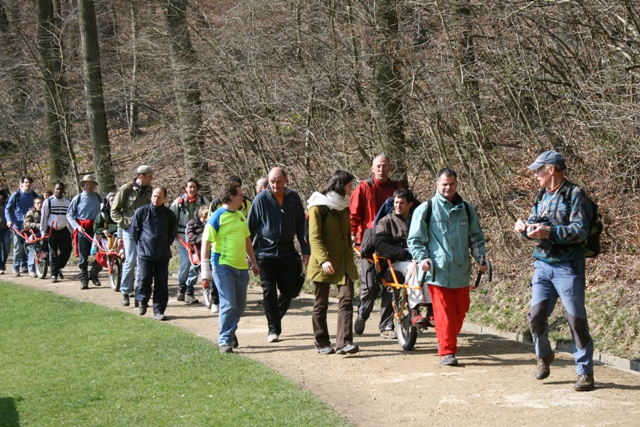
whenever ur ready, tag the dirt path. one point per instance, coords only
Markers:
(382, 385)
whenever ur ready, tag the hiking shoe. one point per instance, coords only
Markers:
(159, 316)
(190, 299)
(449, 360)
(215, 308)
(125, 300)
(142, 309)
(358, 326)
(32, 274)
(235, 343)
(95, 281)
(585, 383)
(348, 349)
(85, 285)
(326, 350)
(16, 273)
(542, 367)
(273, 337)
(180, 296)
(60, 275)
(388, 335)
(225, 348)
(54, 279)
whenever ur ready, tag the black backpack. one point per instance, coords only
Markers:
(595, 225)
(368, 244)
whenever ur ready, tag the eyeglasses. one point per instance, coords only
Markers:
(540, 170)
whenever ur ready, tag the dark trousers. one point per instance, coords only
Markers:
(279, 274)
(344, 333)
(369, 292)
(158, 273)
(59, 250)
(84, 250)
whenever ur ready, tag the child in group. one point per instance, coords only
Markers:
(32, 222)
(194, 230)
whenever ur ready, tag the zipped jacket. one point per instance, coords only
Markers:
(154, 229)
(449, 238)
(362, 207)
(180, 208)
(129, 197)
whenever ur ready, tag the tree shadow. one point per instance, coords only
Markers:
(8, 412)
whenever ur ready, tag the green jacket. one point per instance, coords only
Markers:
(449, 239)
(330, 240)
(129, 197)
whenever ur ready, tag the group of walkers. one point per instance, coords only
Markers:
(235, 234)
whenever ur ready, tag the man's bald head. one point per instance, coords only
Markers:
(277, 181)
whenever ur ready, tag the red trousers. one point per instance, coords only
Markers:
(450, 306)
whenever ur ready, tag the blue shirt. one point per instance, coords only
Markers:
(84, 206)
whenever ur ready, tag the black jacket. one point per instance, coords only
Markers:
(154, 229)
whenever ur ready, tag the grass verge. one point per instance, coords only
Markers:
(68, 363)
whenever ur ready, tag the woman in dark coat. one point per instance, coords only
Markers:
(331, 261)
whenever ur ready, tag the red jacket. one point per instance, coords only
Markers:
(362, 207)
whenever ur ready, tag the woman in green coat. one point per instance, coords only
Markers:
(331, 261)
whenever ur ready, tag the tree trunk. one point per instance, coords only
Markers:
(389, 97)
(96, 117)
(185, 86)
(50, 52)
(132, 104)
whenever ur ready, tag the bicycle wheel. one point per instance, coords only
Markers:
(406, 332)
(116, 274)
(41, 266)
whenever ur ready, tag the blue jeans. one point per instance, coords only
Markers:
(130, 262)
(5, 245)
(20, 254)
(232, 285)
(566, 281)
(188, 274)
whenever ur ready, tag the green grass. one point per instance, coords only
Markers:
(68, 363)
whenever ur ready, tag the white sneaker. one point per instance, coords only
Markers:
(273, 337)
(215, 308)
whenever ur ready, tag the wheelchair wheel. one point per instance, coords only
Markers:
(116, 274)
(407, 333)
(41, 267)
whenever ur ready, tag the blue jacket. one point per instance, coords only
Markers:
(447, 240)
(15, 212)
(273, 227)
(154, 229)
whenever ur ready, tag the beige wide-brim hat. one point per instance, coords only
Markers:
(88, 178)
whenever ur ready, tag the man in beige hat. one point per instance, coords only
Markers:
(83, 210)
(130, 197)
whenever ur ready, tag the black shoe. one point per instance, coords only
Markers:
(235, 342)
(142, 309)
(85, 285)
(95, 281)
(358, 326)
(136, 303)
(60, 275)
(54, 279)
(125, 300)
(542, 367)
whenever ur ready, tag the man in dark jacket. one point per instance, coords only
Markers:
(276, 217)
(154, 228)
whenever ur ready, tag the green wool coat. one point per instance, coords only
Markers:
(330, 240)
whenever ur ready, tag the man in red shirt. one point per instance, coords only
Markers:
(366, 201)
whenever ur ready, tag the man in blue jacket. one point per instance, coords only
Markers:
(446, 236)
(559, 222)
(276, 217)
(154, 227)
(18, 205)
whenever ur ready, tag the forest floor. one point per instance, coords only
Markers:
(384, 385)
